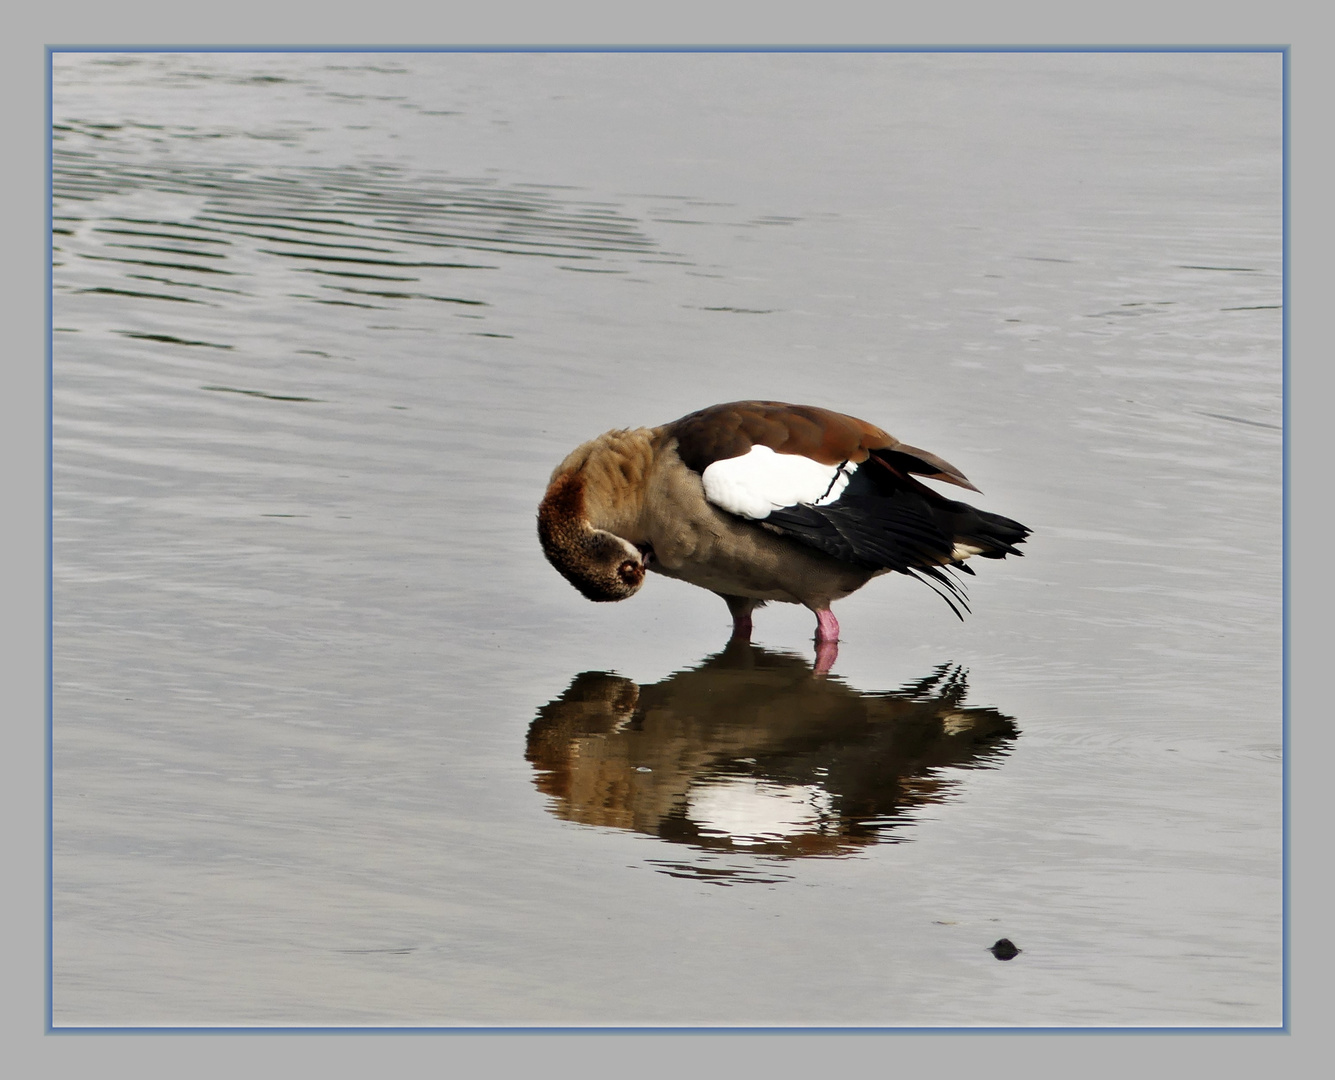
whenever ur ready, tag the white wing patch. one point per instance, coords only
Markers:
(760, 481)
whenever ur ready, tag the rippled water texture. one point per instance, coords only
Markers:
(334, 745)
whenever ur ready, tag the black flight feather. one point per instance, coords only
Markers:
(886, 520)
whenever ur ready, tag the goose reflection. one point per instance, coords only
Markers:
(749, 752)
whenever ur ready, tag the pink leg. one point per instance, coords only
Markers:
(827, 626)
(741, 609)
(827, 641)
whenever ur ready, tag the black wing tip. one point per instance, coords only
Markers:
(950, 590)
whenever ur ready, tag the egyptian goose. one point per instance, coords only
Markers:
(760, 501)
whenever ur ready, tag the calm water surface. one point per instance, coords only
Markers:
(333, 744)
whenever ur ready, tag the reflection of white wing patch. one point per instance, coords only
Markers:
(749, 810)
(760, 481)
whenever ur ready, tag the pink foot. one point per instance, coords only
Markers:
(827, 640)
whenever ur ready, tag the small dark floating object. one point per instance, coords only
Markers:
(1005, 949)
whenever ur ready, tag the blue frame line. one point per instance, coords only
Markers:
(1286, 443)
(48, 593)
(632, 48)
(1285, 446)
(647, 1030)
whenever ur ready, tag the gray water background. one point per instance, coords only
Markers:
(301, 624)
